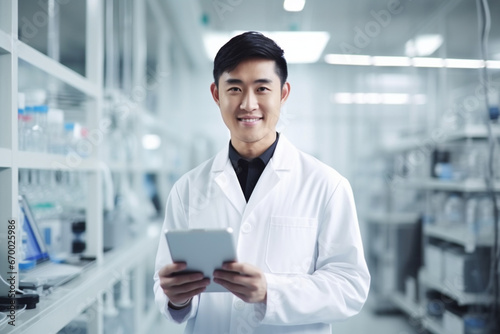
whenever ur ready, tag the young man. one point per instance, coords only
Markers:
(300, 257)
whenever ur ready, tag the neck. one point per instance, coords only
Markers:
(255, 149)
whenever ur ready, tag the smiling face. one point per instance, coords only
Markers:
(250, 98)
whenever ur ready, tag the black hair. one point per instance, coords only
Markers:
(250, 44)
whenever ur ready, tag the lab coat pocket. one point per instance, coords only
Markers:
(291, 244)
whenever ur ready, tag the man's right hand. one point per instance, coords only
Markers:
(180, 288)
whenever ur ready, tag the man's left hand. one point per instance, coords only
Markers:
(245, 281)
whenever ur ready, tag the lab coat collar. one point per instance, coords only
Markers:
(282, 161)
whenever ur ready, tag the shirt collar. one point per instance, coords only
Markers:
(234, 156)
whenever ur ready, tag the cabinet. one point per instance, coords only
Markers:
(92, 97)
(457, 234)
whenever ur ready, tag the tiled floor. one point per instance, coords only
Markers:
(366, 322)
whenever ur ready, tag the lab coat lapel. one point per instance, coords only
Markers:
(226, 179)
(279, 164)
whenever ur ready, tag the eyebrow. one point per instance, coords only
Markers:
(239, 82)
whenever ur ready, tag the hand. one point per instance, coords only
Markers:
(181, 288)
(245, 281)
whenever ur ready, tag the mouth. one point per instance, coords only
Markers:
(249, 120)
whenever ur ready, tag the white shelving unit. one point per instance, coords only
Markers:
(433, 325)
(462, 298)
(420, 142)
(393, 218)
(410, 307)
(457, 234)
(65, 303)
(470, 185)
(83, 294)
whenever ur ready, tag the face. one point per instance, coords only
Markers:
(250, 98)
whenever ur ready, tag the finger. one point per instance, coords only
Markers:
(234, 277)
(185, 288)
(185, 278)
(185, 296)
(172, 268)
(234, 288)
(242, 268)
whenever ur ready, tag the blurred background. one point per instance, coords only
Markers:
(400, 96)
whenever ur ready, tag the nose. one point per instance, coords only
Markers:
(249, 102)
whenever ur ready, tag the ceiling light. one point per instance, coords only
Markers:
(213, 41)
(464, 63)
(151, 142)
(493, 64)
(378, 98)
(391, 61)
(299, 46)
(294, 5)
(427, 62)
(396, 98)
(423, 45)
(347, 59)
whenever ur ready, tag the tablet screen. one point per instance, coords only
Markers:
(203, 250)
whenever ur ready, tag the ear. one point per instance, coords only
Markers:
(215, 93)
(285, 92)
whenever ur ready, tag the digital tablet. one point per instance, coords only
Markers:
(203, 250)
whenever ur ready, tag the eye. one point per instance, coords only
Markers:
(234, 89)
(262, 89)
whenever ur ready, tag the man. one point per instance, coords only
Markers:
(300, 257)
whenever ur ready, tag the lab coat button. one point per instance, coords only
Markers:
(239, 305)
(246, 228)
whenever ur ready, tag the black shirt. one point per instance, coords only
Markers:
(249, 171)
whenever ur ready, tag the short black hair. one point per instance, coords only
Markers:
(248, 45)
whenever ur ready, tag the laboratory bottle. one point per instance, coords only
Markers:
(55, 126)
(69, 135)
(28, 118)
(475, 324)
(21, 105)
(454, 210)
(37, 136)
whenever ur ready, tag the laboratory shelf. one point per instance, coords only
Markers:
(5, 158)
(433, 325)
(469, 185)
(393, 218)
(462, 298)
(5, 43)
(403, 145)
(410, 307)
(457, 234)
(55, 69)
(124, 167)
(68, 301)
(472, 131)
(411, 143)
(34, 160)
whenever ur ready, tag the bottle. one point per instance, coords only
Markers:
(471, 224)
(21, 105)
(475, 324)
(454, 210)
(69, 129)
(55, 127)
(485, 216)
(36, 139)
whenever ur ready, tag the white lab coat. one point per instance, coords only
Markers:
(299, 227)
